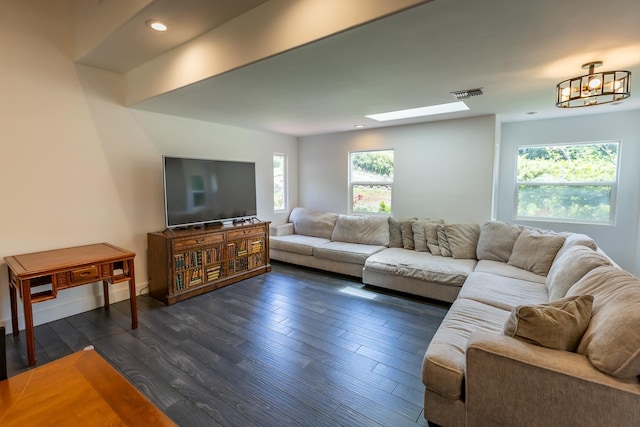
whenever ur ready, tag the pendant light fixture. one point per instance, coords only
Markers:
(593, 88)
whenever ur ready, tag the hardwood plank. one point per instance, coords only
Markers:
(190, 414)
(412, 380)
(348, 417)
(51, 343)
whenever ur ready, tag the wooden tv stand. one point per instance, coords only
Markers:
(186, 263)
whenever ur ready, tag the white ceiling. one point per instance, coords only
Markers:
(515, 50)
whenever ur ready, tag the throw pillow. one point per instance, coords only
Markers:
(569, 267)
(420, 233)
(496, 241)
(612, 339)
(535, 251)
(395, 232)
(463, 239)
(558, 325)
(443, 242)
(406, 227)
(431, 233)
(419, 236)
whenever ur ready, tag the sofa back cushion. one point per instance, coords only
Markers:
(576, 239)
(463, 239)
(612, 340)
(496, 241)
(535, 250)
(363, 229)
(311, 222)
(571, 266)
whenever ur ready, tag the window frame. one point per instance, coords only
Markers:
(352, 183)
(613, 184)
(285, 183)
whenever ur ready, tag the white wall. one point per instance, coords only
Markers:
(619, 241)
(78, 167)
(442, 169)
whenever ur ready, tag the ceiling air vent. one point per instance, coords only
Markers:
(467, 93)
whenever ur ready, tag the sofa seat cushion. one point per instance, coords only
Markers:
(503, 292)
(421, 265)
(506, 270)
(444, 361)
(297, 243)
(353, 253)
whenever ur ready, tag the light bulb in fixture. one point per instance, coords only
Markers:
(156, 25)
(595, 83)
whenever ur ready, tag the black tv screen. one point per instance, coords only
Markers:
(199, 191)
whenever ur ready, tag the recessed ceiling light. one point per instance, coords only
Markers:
(420, 111)
(156, 25)
(359, 126)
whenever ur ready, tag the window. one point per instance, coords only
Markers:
(370, 181)
(279, 182)
(571, 183)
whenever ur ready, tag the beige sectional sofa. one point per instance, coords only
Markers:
(544, 328)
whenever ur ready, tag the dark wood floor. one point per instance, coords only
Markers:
(287, 348)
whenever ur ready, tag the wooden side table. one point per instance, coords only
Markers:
(39, 276)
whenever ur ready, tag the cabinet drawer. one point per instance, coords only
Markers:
(84, 275)
(198, 240)
(234, 234)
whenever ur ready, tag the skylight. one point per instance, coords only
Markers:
(429, 110)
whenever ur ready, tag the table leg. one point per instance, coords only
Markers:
(28, 321)
(105, 291)
(14, 308)
(132, 294)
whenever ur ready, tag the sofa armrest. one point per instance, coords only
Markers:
(281, 230)
(510, 382)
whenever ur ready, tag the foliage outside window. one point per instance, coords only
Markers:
(279, 182)
(370, 181)
(571, 183)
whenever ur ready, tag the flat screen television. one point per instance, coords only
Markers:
(201, 191)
